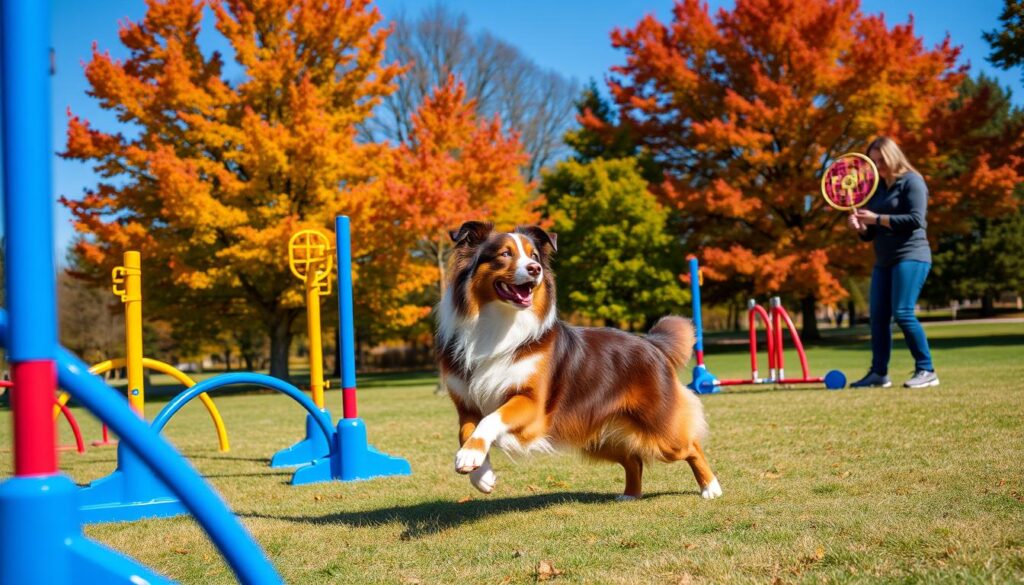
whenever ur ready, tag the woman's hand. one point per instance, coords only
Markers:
(866, 217)
(856, 224)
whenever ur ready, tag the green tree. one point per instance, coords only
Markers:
(985, 262)
(985, 258)
(617, 261)
(1008, 43)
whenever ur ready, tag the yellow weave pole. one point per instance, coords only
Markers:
(127, 284)
(311, 259)
(165, 368)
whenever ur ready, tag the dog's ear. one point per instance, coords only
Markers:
(547, 242)
(471, 234)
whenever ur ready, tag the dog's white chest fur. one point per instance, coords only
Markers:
(485, 346)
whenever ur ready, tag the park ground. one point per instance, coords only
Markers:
(878, 485)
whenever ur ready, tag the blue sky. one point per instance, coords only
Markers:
(569, 36)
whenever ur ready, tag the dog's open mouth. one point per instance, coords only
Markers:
(517, 294)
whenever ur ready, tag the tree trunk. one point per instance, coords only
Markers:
(227, 359)
(280, 342)
(851, 313)
(988, 307)
(810, 330)
(250, 361)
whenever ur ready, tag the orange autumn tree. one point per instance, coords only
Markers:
(213, 172)
(743, 110)
(454, 167)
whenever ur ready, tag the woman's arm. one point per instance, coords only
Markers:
(917, 197)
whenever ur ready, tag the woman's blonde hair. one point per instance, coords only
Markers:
(892, 155)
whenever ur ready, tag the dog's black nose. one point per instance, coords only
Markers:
(533, 269)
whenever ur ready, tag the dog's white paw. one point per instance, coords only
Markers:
(466, 460)
(712, 490)
(626, 498)
(483, 478)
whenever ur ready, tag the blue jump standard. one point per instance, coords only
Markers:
(306, 451)
(351, 458)
(348, 457)
(703, 382)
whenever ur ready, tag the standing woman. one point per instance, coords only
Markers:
(894, 219)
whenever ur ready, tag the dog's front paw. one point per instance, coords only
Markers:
(466, 460)
(483, 478)
(712, 490)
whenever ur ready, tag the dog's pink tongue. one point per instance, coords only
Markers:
(522, 292)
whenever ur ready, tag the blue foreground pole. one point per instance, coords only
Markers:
(41, 538)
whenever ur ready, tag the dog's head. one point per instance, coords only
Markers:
(512, 269)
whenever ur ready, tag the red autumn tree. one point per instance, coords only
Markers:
(455, 167)
(743, 110)
(214, 174)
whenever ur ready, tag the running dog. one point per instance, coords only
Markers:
(523, 380)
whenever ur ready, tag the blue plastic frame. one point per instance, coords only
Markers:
(240, 551)
(41, 539)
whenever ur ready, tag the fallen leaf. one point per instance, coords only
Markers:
(517, 554)
(181, 551)
(770, 475)
(318, 497)
(845, 474)
(689, 546)
(465, 499)
(546, 571)
(819, 553)
(533, 488)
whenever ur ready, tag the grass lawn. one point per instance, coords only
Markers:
(854, 485)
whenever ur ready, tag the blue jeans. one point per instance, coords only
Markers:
(894, 292)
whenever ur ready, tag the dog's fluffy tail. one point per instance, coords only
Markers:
(675, 337)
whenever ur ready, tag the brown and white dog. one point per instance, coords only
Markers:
(523, 380)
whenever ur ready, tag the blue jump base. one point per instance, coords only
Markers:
(351, 458)
(131, 492)
(44, 511)
(306, 451)
(703, 382)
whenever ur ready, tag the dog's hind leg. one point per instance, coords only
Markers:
(632, 464)
(709, 486)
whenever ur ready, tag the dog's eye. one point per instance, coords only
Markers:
(506, 254)
(536, 256)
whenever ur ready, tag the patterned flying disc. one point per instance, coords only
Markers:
(849, 182)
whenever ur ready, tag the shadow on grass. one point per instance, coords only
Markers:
(428, 518)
